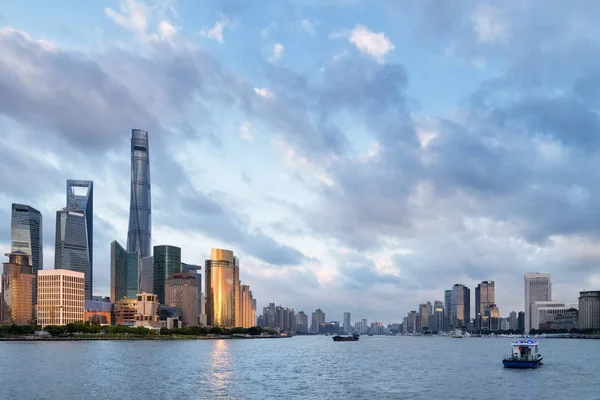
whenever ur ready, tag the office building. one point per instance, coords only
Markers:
(347, 326)
(167, 261)
(461, 306)
(543, 313)
(567, 320)
(512, 321)
(26, 236)
(61, 297)
(537, 288)
(248, 308)
(423, 317)
(123, 272)
(491, 318)
(125, 310)
(98, 312)
(146, 275)
(484, 297)
(504, 324)
(521, 322)
(302, 322)
(195, 269)
(139, 235)
(318, 317)
(589, 310)
(438, 316)
(147, 313)
(75, 232)
(222, 289)
(448, 310)
(18, 281)
(377, 328)
(413, 322)
(361, 327)
(181, 291)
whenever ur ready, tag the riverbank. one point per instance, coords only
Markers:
(38, 338)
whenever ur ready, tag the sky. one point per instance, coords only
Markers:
(358, 156)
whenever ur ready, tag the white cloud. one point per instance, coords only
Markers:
(245, 131)
(377, 45)
(277, 52)
(166, 30)
(489, 24)
(264, 93)
(265, 32)
(309, 26)
(426, 137)
(216, 32)
(135, 15)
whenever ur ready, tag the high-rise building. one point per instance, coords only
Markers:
(181, 291)
(484, 297)
(347, 327)
(146, 275)
(589, 310)
(222, 288)
(247, 307)
(302, 322)
(75, 234)
(448, 310)
(438, 316)
(423, 317)
(492, 317)
(139, 236)
(195, 269)
(461, 306)
(543, 313)
(167, 261)
(537, 288)
(18, 281)
(521, 322)
(318, 317)
(512, 321)
(123, 272)
(26, 236)
(61, 297)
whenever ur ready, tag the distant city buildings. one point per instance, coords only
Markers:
(18, 281)
(589, 310)
(537, 288)
(543, 313)
(318, 317)
(61, 297)
(512, 321)
(347, 324)
(302, 322)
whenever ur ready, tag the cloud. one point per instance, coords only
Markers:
(309, 27)
(489, 24)
(377, 45)
(245, 131)
(264, 93)
(276, 52)
(216, 32)
(136, 16)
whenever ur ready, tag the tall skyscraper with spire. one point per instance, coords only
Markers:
(75, 232)
(139, 235)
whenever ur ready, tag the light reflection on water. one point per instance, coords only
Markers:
(220, 368)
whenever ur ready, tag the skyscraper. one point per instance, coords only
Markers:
(195, 269)
(248, 308)
(537, 288)
(461, 306)
(146, 275)
(447, 309)
(60, 297)
(167, 261)
(139, 236)
(589, 310)
(123, 273)
(318, 317)
(438, 316)
(181, 291)
(222, 286)
(16, 303)
(26, 236)
(423, 317)
(512, 320)
(74, 233)
(347, 327)
(484, 297)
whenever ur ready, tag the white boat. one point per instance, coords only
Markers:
(457, 334)
(524, 354)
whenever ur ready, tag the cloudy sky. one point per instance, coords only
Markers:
(356, 155)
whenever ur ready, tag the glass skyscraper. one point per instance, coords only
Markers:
(167, 261)
(139, 235)
(123, 273)
(26, 236)
(74, 233)
(222, 288)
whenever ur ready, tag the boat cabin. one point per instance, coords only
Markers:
(525, 350)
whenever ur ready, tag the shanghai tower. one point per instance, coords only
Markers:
(140, 222)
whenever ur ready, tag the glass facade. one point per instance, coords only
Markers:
(26, 236)
(17, 281)
(167, 261)
(484, 297)
(139, 235)
(195, 269)
(222, 286)
(146, 275)
(461, 306)
(123, 272)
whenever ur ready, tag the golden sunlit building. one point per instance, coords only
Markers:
(248, 307)
(18, 282)
(125, 310)
(61, 297)
(222, 289)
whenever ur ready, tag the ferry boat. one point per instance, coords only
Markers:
(457, 334)
(353, 338)
(525, 354)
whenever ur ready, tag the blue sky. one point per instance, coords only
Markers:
(357, 156)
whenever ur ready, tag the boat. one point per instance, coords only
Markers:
(457, 334)
(353, 338)
(525, 354)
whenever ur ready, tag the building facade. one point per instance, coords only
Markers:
(318, 317)
(347, 326)
(423, 317)
(26, 236)
(521, 322)
(124, 311)
(589, 310)
(146, 275)
(438, 316)
(248, 307)
(537, 288)
(222, 289)
(167, 261)
(195, 269)
(512, 321)
(448, 310)
(302, 322)
(181, 291)
(461, 306)
(484, 297)
(148, 311)
(139, 235)
(123, 272)
(61, 297)
(543, 313)
(18, 281)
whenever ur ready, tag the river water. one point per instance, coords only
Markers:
(301, 367)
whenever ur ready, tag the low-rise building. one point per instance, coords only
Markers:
(147, 313)
(61, 297)
(124, 311)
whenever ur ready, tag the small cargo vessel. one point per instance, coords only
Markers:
(353, 338)
(525, 354)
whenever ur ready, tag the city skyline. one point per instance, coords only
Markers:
(380, 157)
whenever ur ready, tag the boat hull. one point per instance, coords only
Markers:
(345, 339)
(527, 364)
